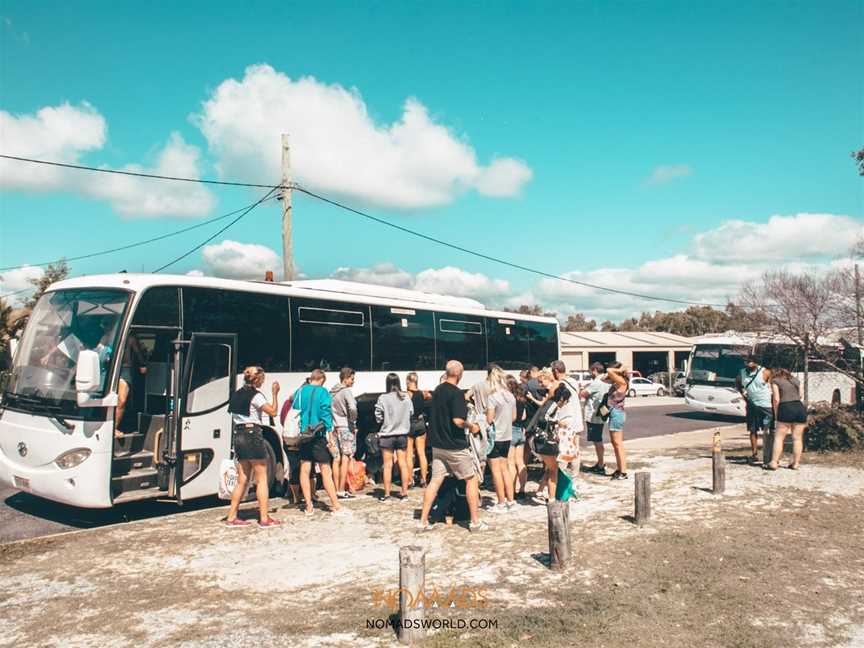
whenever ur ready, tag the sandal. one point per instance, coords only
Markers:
(770, 466)
(794, 466)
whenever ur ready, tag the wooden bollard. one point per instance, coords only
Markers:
(412, 581)
(643, 498)
(718, 466)
(559, 533)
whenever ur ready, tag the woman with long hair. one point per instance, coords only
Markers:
(790, 417)
(393, 411)
(247, 405)
(616, 373)
(516, 454)
(500, 414)
(417, 435)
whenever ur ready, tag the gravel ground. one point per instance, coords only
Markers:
(187, 581)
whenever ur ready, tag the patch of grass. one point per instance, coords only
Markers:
(746, 582)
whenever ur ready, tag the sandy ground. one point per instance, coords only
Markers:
(185, 580)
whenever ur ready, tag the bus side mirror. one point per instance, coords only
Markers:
(88, 375)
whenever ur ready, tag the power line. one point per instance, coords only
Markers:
(82, 167)
(130, 245)
(359, 213)
(16, 292)
(504, 262)
(210, 238)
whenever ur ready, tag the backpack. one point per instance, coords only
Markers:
(291, 423)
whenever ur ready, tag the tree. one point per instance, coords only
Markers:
(53, 273)
(578, 322)
(858, 156)
(535, 309)
(608, 326)
(802, 308)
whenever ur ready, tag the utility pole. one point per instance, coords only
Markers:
(858, 304)
(287, 243)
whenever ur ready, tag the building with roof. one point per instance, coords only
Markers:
(646, 352)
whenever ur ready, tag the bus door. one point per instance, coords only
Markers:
(203, 433)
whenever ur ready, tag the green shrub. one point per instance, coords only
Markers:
(834, 428)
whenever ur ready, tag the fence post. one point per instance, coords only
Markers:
(643, 498)
(718, 466)
(412, 581)
(558, 514)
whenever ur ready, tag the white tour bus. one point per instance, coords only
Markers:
(194, 335)
(716, 360)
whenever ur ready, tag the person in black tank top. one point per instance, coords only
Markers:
(419, 423)
(790, 416)
(247, 405)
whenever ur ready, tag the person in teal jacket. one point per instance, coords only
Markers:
(314, 403)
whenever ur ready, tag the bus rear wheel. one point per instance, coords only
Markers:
(835, 398)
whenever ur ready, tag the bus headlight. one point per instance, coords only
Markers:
(72, 458)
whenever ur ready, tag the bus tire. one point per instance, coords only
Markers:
(836, 398)
(631, 393)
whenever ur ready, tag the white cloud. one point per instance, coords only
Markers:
(233, 260)
(781, 238)
(666, 173)
(449, 280)
(381, 274)
(65, 133)
(337, 146)
(132, 196)
(58, 133)
(11, 281)
(460, 283)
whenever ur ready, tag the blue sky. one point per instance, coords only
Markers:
(740, 112)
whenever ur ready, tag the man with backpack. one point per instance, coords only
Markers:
(316, 424)
(593, 395)
(754, 385)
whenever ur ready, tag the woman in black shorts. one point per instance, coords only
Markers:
(417, 434)
(247, 407)
(500, 414)
(790, 416)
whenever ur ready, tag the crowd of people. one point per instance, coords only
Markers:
(774, 408)
(455, 436)
(451, 437)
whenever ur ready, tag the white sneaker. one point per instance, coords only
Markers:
(510, 505)
(499, 508)
(480, 526)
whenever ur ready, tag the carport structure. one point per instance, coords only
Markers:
(646, 352)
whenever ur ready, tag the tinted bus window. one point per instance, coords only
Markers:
(508, 343)
(158, 307)
(330, 335)
(460, 337)
(259, 320)
(403, 339)
(543, 339)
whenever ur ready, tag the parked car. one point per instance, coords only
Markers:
(582, 378)
(645, 387)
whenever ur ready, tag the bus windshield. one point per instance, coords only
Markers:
(62, 324)
(715, 364)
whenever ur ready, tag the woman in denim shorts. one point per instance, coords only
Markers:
(516, 454)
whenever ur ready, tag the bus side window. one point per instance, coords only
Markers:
(330, 335)
(460, 337)
(403, 339)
